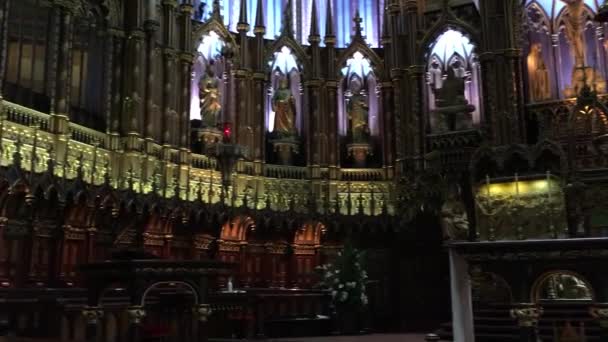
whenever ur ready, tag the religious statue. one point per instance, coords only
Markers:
(358, 112)
(454, 218)
(435, 75)
(211, 106)
(575, 25)
(284, 107)
(451, 103)
(539, 75)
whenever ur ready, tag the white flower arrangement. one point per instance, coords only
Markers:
(346, 279)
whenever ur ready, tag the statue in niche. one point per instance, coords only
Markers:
(211, 106)
(435, 75)
(454, 218)
(582, 75)
(539, 75)
(284, 107)
(358, 111)
(575, 25)
(460, 71)
(451, 103)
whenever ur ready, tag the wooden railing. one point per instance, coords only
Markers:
(200, 161)
(286, 172)
(362, 175)
(26, 116)
(87, 135)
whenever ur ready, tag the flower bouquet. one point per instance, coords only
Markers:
(346, 279)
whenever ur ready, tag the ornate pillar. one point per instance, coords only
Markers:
(201, 313)
(400, 121)
(60, 103)
(388, 128)
(4, 15)
(259, 118)
(132, 103)
(136, 316)
(416, 122)
(92, 315)
(527, 316)
(117, 67)
(169, 113)
(152, 113)
(488, 85)
(186, 58)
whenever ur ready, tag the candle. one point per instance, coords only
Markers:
(488, 185)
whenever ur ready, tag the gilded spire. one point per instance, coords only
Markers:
(243, 24)
(259, 17)
(287, 28)
(330, 36)
(385, 27)
(314, 24)
(216, 12)
(357, 19)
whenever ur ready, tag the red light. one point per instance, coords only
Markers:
(227, 131)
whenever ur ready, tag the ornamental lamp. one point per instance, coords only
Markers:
(602, 13)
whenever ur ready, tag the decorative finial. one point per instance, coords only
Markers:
(243, 24)
(330, 36)
(314, 25)
(259, 18)
(287, 28)
(216, 11)
(80, 169)
(357, 19)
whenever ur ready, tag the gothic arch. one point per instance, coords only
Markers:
(215, 25)
(296, 50)
(543, 278)
(446, 22)
(359, 45)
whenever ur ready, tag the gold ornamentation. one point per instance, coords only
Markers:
(136, 314)
(600, 314)
(527, 316)
(202, 312)
(92, 314)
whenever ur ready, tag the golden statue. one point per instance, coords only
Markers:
(211, 106)
(358, 112)
(539, 75)
(284, 107)
(575, 26)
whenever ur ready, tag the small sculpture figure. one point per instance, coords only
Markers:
(435, 75)
(454, 218)
(538, 73)
(284, 106)
(358, 111)
(575, 24)
(211, 106)
(452, 104)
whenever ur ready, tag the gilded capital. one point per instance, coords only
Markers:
(527, 316)
(136, 314)
(92, 314)
(202, 312)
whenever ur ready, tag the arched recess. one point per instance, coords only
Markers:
(562, 285)
(453, 77)
(359, 104)
(565, 48)
(215, 55)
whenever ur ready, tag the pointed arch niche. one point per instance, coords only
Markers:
(359, 109)
(565, 48)
(284, 66)
(452, 72)
(211, 69)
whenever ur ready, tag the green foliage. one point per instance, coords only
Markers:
(346, 279)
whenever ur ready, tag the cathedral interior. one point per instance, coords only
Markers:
(214, 170)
